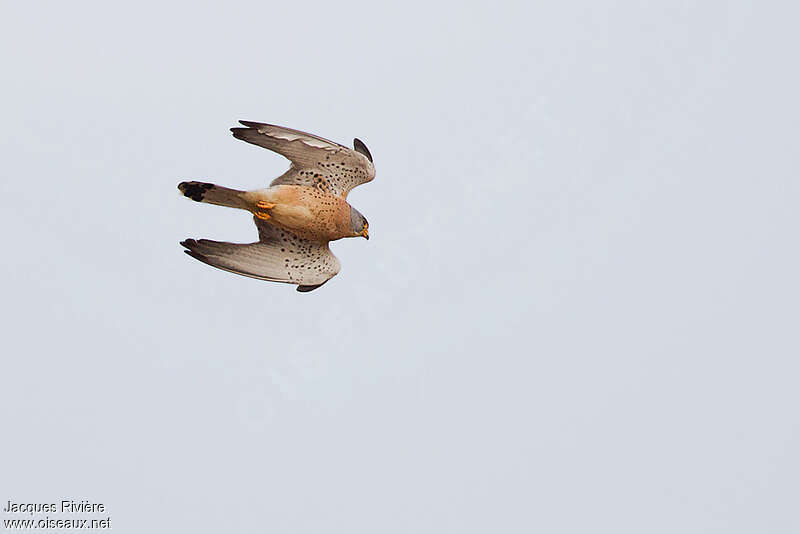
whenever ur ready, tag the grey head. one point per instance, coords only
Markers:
(358, 223)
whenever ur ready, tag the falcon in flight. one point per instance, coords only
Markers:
(296, 216)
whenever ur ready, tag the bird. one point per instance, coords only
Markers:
(297, 216)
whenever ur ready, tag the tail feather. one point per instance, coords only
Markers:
(213, 194)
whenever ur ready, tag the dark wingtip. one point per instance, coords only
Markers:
(359, 145)
(197, 256)
(306, 289)
(250, 124)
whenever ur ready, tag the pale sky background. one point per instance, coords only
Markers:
(578, 310)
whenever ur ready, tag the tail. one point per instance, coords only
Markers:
(213, 194)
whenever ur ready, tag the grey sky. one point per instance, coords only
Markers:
(577, 311)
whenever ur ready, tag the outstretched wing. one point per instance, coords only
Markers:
(316, 162)
(278, 256)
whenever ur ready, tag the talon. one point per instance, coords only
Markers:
(263, 204)
(261, 215)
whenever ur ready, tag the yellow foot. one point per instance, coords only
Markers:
(264, 205)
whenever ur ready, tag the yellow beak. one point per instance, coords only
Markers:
(364, 233)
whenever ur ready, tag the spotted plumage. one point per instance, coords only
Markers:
(297, 216)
